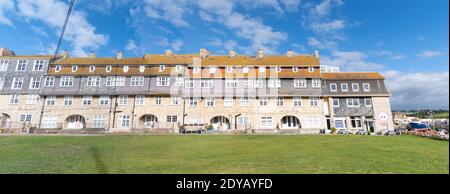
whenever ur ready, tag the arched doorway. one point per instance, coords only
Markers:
(75, 122)
(5, 121)
(220, 123)
(149, 121)
(290, 122)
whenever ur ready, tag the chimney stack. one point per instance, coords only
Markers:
(119, 55)
(168, 53)
(260, 53)
(65, 54)
(6, 52)
(232, 54)
(204, 53)
(290, 53)
(316, 54)
(91, 55)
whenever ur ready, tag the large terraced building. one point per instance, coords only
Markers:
(171, 92)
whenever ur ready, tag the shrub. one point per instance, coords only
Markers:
(333, 130)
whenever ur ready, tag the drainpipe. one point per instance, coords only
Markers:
(42, 113)
(132, 116)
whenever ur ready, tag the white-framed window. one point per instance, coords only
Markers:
(139, 100)
(316, 83)
(178, 68)
(66, 81)
(68, 100)
(49, 122)
(74, 68)
(120, 81)
(142, 68)
(242, 120)
(206, 83)
(125, 68)
(231, 83)
(279, 101)
(368, 102)
(110, 81)
(355, 122)
(253, 83)
(99, 121)
(245, 101)
(163, 81)
(2, 82)
(179, 81)
(311, 69)
(171, 118)
(336, 102)
(50, 101)
(137, 81)
(197, 69)
(49, 81)
(245, 70)
(25, 118)
(266, 122)
(189, 83)
(108, 68)
(87, 100)
(274, 83)
(158, 100)
(229, 69)
(212, 70)
(262, 69)
(193, 102)
(122, 101)
(35, 82)
(333, 87)
(353, 102)
(278, 69)
(228, 101)
(14, 99)
(32, 99)
(210, 102)
(91, 68)
(297, 101)
(38, 65)
(162, 68)
(258, 83)
(344, 87)
(4, 65)
(124, 121)
(366, 87)
(174, 100)
(355, 87)
(57, 68)
(339, 123)
(263, 101)
(104, 100)
(21, 65)
(300, 83)
(93, 81)
(17, 83)
(312, 122)
(294, 69)
(313, 101)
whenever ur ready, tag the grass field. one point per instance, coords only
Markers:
(443, 115)
(222, 154)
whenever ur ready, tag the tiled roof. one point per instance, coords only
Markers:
(351, 75)
(27, 56)
(263, 61)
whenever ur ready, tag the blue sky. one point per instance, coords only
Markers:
(405, 40)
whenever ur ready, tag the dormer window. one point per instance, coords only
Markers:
(245, 70)
(57, 68)
(278, 69)
(161, 68)
(142, 68)
(178, 67)
(311, 69)
(212, 70)
(262, 69)
(229, 69)
(125, 68)
(74, 68)
(197, 69)
(294, 69)
(108, 68)
(91, 68)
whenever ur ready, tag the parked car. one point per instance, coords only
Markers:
(343, 132)
(390, 133)
(418, 127)
(362, 132)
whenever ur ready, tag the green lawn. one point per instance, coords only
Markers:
(443, 115)
(222, 154)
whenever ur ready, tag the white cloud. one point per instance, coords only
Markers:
(351, 61)
(397, 57)
(418, 90)
(329, 26)
(6, 6)
(324, 8)
(176, 45)
(430, 54)
(290, 5)
(172, 11)
(80, 33)
(132, 47)
(321, 44)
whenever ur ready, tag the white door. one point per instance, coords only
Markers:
(290, 122)
(150, 121)
(75, 122)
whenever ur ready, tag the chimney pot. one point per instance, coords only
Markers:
(290, 53)
(316, 54)
(260, 53)
(204, 53)
(91, 55)
(168, 53)
(232, 54)
(119, 55)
